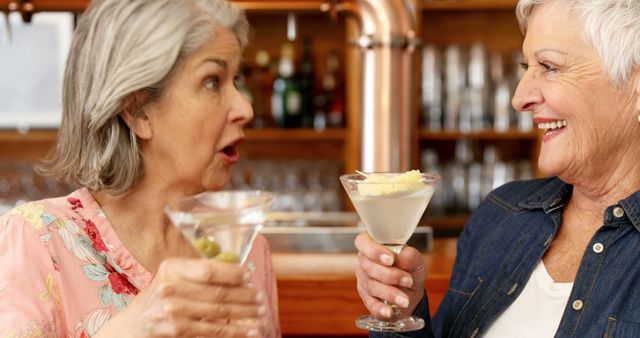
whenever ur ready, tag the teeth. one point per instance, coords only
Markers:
(552, 125)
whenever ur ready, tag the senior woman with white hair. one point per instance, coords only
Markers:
(150, 114)
(556, 256)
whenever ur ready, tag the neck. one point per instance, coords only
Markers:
(140, 210)
(593, 196)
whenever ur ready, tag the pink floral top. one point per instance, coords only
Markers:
(64, 272)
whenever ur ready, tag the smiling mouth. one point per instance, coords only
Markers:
(552, 127)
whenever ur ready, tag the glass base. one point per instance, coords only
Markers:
(411, 323)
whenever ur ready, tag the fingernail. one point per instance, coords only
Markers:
(262, 310)
(402, 302)
(252, 333)
(386, 312)
(406, 282)
(260, 297)
(386, 259)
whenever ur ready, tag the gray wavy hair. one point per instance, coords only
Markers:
(612, 27)
(122, 55)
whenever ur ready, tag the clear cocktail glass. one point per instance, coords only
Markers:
(221, 225)
(390, 211)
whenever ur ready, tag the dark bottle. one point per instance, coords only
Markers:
(286, 100)
(329, 104)
(307, 82)
(262, 85)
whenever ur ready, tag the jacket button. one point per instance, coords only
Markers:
(598, 248)
(577, 305)
(618, 212)
(513, 289)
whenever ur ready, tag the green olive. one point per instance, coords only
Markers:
(206, 247)
(227, 257)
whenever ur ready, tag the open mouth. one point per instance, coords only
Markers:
(230, 150)
(552, 127)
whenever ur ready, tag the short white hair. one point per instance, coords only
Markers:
(122, 55)
(612, 27)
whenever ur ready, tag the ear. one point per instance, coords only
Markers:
(135, 116)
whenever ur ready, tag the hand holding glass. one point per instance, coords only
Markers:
(390, 208)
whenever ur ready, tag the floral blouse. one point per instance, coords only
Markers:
(64, 272)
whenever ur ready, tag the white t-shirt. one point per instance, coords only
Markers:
(537, 312)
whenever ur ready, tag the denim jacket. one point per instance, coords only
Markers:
(504, 240)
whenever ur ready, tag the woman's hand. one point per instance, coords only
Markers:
(381, 276)
(192, 298)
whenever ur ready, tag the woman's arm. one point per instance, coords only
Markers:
(29, 294)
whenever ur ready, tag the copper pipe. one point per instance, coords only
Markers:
(386, 42)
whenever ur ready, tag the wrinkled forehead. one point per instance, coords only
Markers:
(554, 25)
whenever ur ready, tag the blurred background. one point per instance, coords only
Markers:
(301, 74)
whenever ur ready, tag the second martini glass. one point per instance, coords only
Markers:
(221, 225)
(390, 206)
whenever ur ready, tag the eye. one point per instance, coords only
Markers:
(547, 67)
(212, 83)
(524, 65)
(238, 81)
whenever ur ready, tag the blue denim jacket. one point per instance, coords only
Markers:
(504, 240)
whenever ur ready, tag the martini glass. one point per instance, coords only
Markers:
(390, 211)
(221, 225)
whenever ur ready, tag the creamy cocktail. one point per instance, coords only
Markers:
(390, 206)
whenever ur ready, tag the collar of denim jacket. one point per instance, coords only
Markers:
(554, 194)
(631, 207)
(550, 197)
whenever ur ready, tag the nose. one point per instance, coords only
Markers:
(241, 110)
(527, 95)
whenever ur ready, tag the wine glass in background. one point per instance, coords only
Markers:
(222, 225)
(390, 211)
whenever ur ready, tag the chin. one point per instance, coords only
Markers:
(218, 180)
(549, 166)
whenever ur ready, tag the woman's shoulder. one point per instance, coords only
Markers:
(40, 213)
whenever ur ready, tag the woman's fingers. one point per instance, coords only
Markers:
(410, 260)
(384, 274)
(203, 328)
(379, 290)
(206, 271)
(182, 307)
(374, 251)
(375, 306)
(212, 293)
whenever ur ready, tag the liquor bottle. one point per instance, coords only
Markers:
(286, 100)
(306, 85)
(262, 85)
(333, 92)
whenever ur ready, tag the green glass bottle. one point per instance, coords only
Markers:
(286, 100)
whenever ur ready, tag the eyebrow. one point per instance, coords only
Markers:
(220, 62)
(549, 50)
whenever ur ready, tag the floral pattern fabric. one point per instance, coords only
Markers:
(64, 272)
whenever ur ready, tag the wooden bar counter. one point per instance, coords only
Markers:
(317, 292)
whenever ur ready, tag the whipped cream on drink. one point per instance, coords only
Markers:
(382, 184)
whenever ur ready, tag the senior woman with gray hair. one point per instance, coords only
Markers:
(554, 257)
(150, 114)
